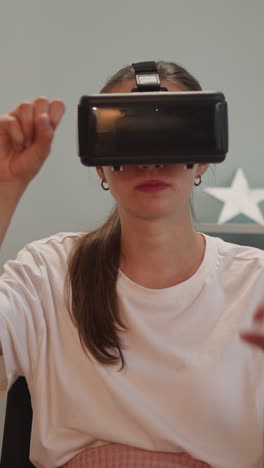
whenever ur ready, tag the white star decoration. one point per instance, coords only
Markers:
(239, 199)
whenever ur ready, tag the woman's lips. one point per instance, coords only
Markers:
(151, 186)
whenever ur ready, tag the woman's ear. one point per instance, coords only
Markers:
(202, 168)
(100, 172)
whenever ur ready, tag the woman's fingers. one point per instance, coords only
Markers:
(26, 135)
(40, 106)
(43, 136)
(255, 336)
(254, 339)
(32, 118)
(259, 314)
(25, 118)
(10, 126)
(47, 116)
(56, 111)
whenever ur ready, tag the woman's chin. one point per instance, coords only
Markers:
(152, 213)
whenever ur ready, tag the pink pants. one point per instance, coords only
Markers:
(124, 456)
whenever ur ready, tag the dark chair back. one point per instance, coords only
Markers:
(17, 427)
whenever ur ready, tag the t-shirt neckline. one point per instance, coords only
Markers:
(209, 260)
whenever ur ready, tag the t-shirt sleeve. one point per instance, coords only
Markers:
(21, 318)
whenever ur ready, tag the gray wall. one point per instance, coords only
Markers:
(64, 48)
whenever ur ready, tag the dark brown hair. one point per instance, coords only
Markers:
(94, 262)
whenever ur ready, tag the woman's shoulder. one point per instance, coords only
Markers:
(236, 252)
(53, 250)
(60, 241)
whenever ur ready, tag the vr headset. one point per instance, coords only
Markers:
(151, 125)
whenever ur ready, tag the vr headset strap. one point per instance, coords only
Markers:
(147, 77)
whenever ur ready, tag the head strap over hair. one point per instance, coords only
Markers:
(147, 77)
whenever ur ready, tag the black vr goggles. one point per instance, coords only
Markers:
(148, 126)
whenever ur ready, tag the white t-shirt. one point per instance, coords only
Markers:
(190, 383)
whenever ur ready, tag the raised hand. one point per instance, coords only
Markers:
(26, 135)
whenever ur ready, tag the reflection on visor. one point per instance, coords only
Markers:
(152, 130)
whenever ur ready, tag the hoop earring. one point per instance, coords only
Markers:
(103, 181)
(199, 181)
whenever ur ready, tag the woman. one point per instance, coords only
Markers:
(130, 337)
